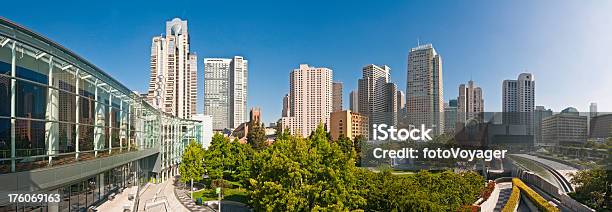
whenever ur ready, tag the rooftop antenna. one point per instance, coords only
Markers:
(418, 41)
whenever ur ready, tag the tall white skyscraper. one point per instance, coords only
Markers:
(310, 99)
(377, 96)
(173, 83)
(225, 91)
(518, 101)
(470, 103)
(424, 92)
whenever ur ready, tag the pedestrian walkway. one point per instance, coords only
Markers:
(505, 190)
(160, 197)
(121, 201)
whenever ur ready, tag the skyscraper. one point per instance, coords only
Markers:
(173, 82)
(310, 99)
(225, 91)
(518, 101)
(450, 116)
(593, 109)
(377, 96)
(401, 101)
(285, 106)
(470, 103)
(337, 96)
(354, 101)
(540, 114)
(424, 91)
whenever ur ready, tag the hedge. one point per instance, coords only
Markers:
(539, 201)
(514, 199)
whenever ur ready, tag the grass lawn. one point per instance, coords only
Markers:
(232, 194)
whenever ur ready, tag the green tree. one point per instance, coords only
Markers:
(228, 160)
(257, 136)
(298, 174)
(191, 167)
(358, 143)
(593, 188)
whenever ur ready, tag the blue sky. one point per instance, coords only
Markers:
(567, 45)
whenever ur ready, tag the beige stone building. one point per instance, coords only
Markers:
(349, 124)
(310, 99)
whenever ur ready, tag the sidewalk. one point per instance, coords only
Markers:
(160, 197)
(120, 202)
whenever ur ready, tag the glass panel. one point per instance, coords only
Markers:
(67, 103)
(32, 69)
(5, 90)
(91, 183)
(64, 205)
(31, 100)
(74, 197)
(5, 60)
(5, 138)
(87, 108)
(82, 195)
(29, 138)
(67, 138)
(86, 137)
(115, 138)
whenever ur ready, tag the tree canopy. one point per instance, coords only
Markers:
(304, 174)
(257, 136)
(192, 166)
(593, 188)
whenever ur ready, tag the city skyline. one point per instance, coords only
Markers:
(530, 49)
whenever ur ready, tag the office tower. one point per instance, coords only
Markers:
(540, 114)
(450, 116)
(354, 101)
(173, 83)
(518, 101)
(469, 103)
(401, 101)
(337, 96)
(348, 124)
(225, 91)
(567, 127)
(593, 110)
(310, 99)
(601, 127)
(285, 106)
(239, 76)
(377, 96)
(424, 91)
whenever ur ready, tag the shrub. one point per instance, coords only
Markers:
(513, 201)
(486, 192)
(539, 201)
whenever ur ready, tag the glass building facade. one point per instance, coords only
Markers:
(57, 110)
